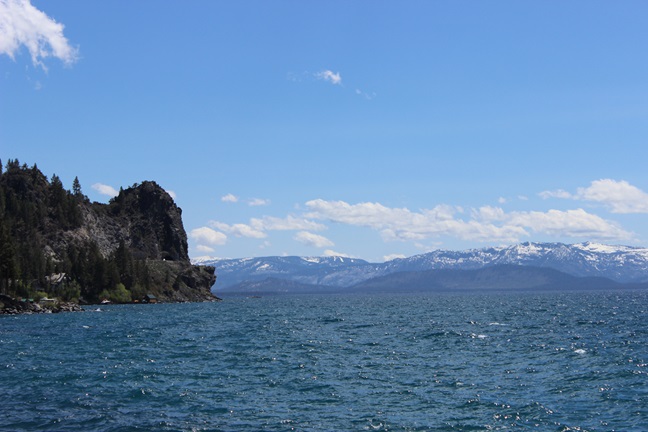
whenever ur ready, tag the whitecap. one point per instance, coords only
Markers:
(580, 351)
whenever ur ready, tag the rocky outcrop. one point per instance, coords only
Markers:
(134, 246)
(152, 221)
(178, 281)
(143, 217)
(146, 219)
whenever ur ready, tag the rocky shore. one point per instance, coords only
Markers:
(10, 306)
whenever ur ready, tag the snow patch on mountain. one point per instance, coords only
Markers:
(619, 263)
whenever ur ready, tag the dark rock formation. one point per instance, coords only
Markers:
(153, 222)
(132, 246)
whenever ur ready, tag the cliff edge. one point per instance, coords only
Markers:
(57, 242)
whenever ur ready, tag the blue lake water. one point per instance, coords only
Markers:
(548, 362)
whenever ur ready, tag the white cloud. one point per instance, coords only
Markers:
(618, 196)
(368, 96)
(203, 248)
(21, 24)
(289, 223)
(330, 76)
(238, 230)
(105, 189)
(255, 202)
(488, 214)
(373, 215)
(558, 193)
(486, 224)
(501, 200)
(208, 235)
(229, 198)
(258, 227)
(171, 193)
(314, 240)
(571, 223)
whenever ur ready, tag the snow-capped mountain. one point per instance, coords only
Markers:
(619, 263)
(307, 270)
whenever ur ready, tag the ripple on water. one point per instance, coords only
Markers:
(388, 362)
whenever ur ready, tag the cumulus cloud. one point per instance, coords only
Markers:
(314, 240)
(208, 235)
(571, 223)
(558, 193)
(255, 202)
(238, 230)
(330, 76)
(259, 227)
(488, 214)
(203, 248)
(368, 214)
(21, 24)
(229, 198)
(105, 190)
(171, 193)
(485, 224)
(289, 223)
(618, 196)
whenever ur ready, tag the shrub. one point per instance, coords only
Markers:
(38, 295)
(119, 294)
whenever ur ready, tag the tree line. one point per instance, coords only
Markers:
(36, 259)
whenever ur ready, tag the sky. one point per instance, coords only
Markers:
(369, 129)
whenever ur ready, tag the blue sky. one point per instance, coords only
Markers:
(370, 129)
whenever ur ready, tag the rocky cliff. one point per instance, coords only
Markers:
(132, 247)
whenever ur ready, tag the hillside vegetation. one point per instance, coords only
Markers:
(56, 243)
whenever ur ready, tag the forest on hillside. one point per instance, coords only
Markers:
(37, 259)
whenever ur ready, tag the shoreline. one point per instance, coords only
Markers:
(11, 306)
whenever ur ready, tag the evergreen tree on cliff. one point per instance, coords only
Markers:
(56, 241)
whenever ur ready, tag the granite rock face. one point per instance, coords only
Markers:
(147, 220)
(133, 246)
(153, 222)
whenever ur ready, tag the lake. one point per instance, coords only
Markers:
(440, 362)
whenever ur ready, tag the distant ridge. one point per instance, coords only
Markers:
(621, 264)
(504, 277)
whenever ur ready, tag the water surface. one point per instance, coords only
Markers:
(552, 361)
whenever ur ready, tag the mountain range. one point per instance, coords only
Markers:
(522, 266)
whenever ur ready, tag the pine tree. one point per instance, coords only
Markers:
(76, 187)
(8, 259)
